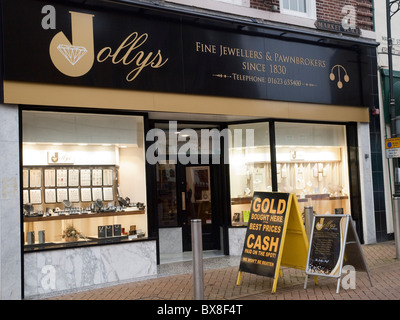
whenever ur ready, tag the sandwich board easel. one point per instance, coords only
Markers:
(334, 241)
(275, 237)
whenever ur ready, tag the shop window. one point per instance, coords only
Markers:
(84, 174)
(301, 8)
(250, 167)
(312, 163)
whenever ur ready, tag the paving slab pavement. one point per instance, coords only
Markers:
(220, 284)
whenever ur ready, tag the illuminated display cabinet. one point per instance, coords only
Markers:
(311, 161)
(84, 173)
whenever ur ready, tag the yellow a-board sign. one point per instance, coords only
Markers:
(275, 236)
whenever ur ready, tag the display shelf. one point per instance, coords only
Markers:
(241, 200)
(83, 216)
(86, 224)
(60, 245)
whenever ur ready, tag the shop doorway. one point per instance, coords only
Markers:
(187, 190)
(197, 201)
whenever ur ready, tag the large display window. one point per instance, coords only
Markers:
(83, 179)
(249, 166)
(310, 161)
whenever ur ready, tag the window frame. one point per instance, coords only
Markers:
(243, 3)
(311, 11)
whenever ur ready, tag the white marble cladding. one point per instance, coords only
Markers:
(170, 240)
(48, 272)
(236, 241)
(366, 185)
(10, 224)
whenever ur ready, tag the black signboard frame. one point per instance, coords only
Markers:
(327, 245)
(170, 53)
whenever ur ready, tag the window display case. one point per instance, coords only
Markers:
(74, 204)
(79, 229)
(83, 179)
(311, 162)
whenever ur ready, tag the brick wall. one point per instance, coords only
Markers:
(329, 10)
(365, 14)
(264, 4)
(332, 11)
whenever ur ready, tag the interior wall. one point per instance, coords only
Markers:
(36, 154)
(132, 179)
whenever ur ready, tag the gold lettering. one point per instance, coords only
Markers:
(134, 44)
(265, 205)
(99, 59)
(125, 51)
(265, 243)
(239, 52)
(281, 58)
(276, 218)
(250, 238)
(252, 66)
(156, 62)
(256, 205)
(257, 244)
(273, 245)
(273, 210)
(262, 243)
(281, 206)
(82, 36)
(206, 48)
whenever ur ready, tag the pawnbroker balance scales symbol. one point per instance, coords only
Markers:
(339, 68)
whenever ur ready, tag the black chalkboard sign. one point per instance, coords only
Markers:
(328, 241)
(264, 233)
(275, 236)
(334, 242)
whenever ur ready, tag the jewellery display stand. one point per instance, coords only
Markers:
(64, 197)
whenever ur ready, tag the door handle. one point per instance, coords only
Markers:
(183, 200)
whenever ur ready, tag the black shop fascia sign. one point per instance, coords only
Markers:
(166, 52)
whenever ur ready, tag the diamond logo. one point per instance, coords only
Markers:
(72, 53)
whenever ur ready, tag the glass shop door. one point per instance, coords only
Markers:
(196, 202)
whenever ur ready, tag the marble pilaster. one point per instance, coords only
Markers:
(236, 240)
(170, 240)
(10, 216)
